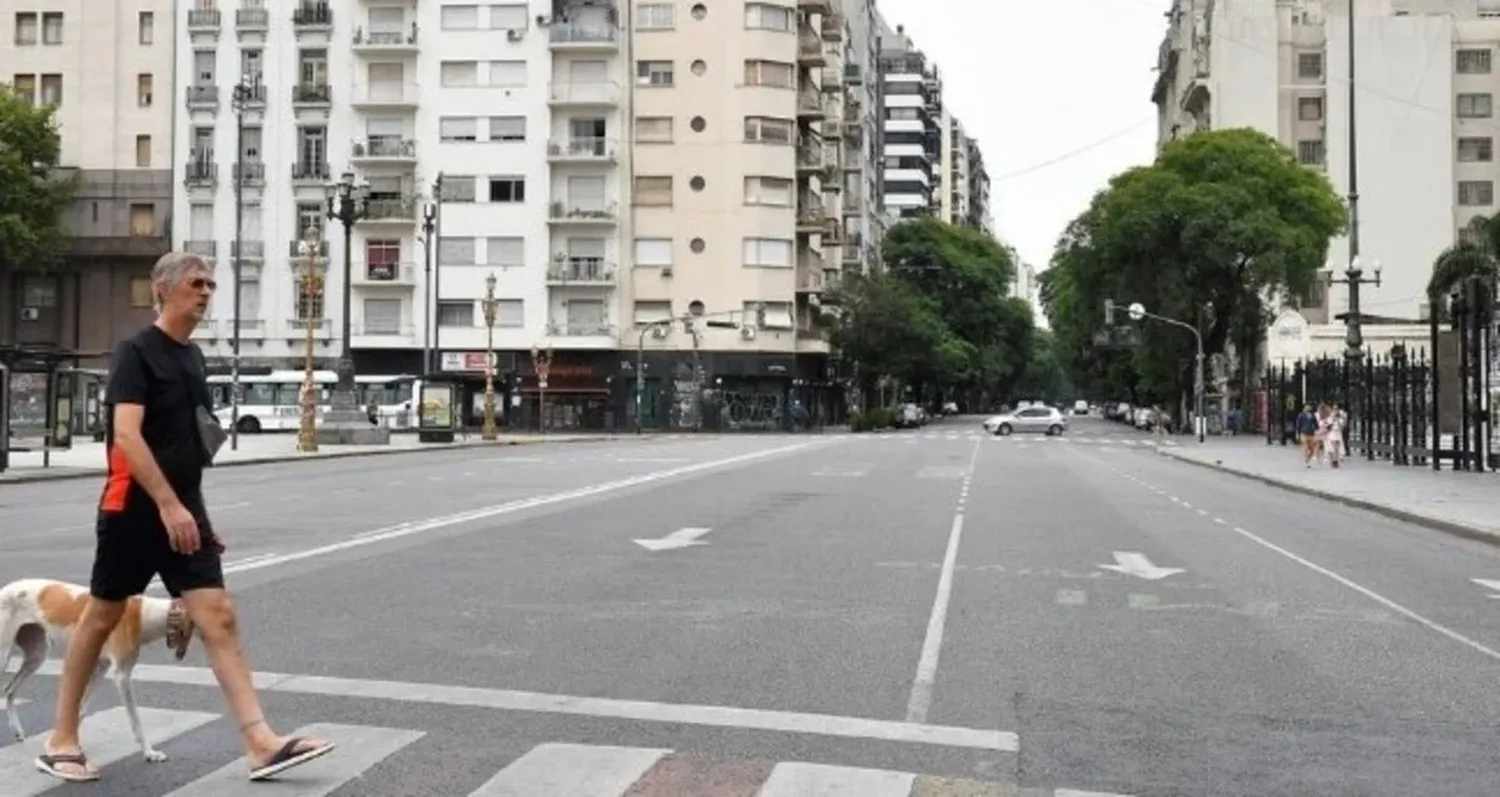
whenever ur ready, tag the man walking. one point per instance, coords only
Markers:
(1307, 433)
(152, 520)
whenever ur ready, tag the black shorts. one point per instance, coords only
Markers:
(133, 547)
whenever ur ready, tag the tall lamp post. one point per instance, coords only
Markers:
(348, 202)
(1137, 312)
(429, 226)
(247, 91)
(1354, 276)
(490, 305)
(312, 316)
(433, 219)
(541, 360)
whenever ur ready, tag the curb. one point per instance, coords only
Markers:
(94, 473)
(1446, 526)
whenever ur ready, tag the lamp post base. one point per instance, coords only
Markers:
(346, 424)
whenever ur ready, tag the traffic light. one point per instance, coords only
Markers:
(1109, 312)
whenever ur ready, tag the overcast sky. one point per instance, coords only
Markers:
(1058, 92)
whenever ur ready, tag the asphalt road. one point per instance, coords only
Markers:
(913, 613)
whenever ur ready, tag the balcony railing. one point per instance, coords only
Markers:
(310, 172)
(391, 209)
(294, 248)
(315, 15)
(810, 155)
(396, 273)
(809, 103)
(587, 92)
(376, 39)
(809, 46)
(383, 147)
(250, 172)
(564, 210)
(581, 270)
(392, 93)
(203, 248)
(201, 171)
(250, 250)
(562, 36)
(810, 211)
(584, 148)
(382, 329)
(809, 281)
(202, 95)
(204, 19)
(311, 94)
(252, 19)
(580, 329)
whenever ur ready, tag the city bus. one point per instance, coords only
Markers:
(271, 402)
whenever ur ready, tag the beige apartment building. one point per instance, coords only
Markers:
(107, 67)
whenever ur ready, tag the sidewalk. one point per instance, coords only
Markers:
(1465, 504)
(86, 459)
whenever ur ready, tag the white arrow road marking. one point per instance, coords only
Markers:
(681, 538)
(1490, 584)
(1133, 563)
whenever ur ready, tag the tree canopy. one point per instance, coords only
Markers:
(1477, 254)
(33, 199)
(937, 316)
(1221, 227)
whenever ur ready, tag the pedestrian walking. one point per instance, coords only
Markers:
(1333, 441)
(153, 521)
(1307, 434)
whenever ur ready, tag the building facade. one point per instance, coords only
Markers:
(1424, 119)
(913, 133)
(116, 129)
(864, 216)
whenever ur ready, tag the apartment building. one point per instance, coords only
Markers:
(1425, 126)
(953, 172)
(116, 136)
(913, 133)
(864, 217)
(980, 213)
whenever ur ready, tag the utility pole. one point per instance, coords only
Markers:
(436, 364)
(1354, 277)
(244, 93)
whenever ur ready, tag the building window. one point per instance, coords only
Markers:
(655, 16)
(767, 130)
(508, 74)
(505, 252)
(143, 152)
(382, 317)
(770, 73)
(143, 85)
(456, 251)
(460, 17)
(768, 191)
(507, 189)
(143, 220)
(52, 90)
(460, 74)
(653, 253)
(653, 129)
(309, 308)
(653, 191)
(1475, 106)
(1310, 109)
(52, 28)
(657, 74)
(652, 312)
(146, 28)
(1473, 62)
(507, 128)
(382, 259)
(140, 293)
(455, 314)
(508, 17)
(1476, 150)
(24, 86)
(510, 313)
(1310, 153)
(458, 188)
(26, 29)
(458, 128)
(778, 314)
(768, 253)
(1476, 193)
(764, 16)
(1310, 66)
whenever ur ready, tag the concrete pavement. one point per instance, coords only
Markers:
(932, 612)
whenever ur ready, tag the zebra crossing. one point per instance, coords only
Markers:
(1024, 439)
(547, 769)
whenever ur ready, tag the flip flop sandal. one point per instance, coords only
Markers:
(285, 758)
(48, 764)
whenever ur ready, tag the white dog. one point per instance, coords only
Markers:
(38, 613)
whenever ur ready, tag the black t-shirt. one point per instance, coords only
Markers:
(169, 379)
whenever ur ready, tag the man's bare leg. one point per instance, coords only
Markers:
(94, 626)
(213, 613)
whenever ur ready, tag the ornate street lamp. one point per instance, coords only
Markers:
(490, 305)
(541, 359)
(244, 94)
(312, 317)
(348, 202)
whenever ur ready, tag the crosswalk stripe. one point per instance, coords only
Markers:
(933, 786)
(1076, 793)
(109, 741)
(571, 770)
(359, 748)
(800, 780)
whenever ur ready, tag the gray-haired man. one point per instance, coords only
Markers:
(153, 521)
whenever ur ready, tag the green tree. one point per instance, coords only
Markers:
(890, 329)
(32, 198)
(1222, 224)
(1476, 255)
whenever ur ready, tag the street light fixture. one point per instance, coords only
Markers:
(312, 317)
(348, 202)
(541, 360)
(246, 92)
(490, 305)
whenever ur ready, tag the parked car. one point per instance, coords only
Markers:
(1047, 420)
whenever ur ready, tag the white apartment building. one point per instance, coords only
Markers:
(1424, 118)
(116, 128)
(953, 195)
(913, 135)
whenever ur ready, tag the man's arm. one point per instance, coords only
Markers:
(126, 391)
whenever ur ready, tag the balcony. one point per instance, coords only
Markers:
(581, 272)
(203, 97)
(252, 20)
(830, 81)
(832, 26)
(815, 6)
(810, 105)
(582, 150)
(389, 211)
(380, 329)
(584, 38)
(854, 74)
(316, 173)
(580, 329)
(204, 20)
(294, 250)
(250, 173)
(385, 96)
(810, 156)
(394, 275)
(200, 171)
(582, 213)
(584, 93)
(379, 42)
(247, 250)
(810, 47)
(811, 216)
(383, 149)
(312, 17)
(809, 280)
(312, 94)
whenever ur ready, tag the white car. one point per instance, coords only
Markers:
(1047, 420)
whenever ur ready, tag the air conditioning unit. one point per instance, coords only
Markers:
(30, 313)
(515, 34)
(747, 333)
(659, 332)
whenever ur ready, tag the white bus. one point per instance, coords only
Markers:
(272, 402)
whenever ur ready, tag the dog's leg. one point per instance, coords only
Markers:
(126, 685)
(91, 686)
(33, 644)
